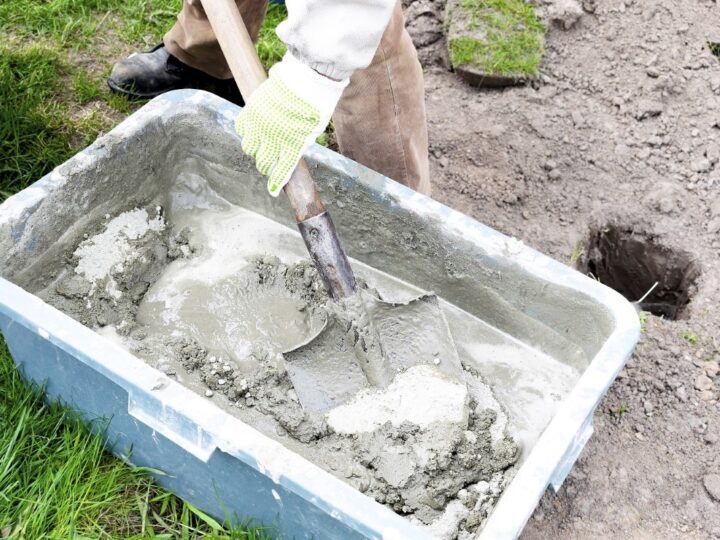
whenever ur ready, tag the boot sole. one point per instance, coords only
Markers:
(135, 95)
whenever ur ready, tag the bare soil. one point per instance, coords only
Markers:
(620, 132)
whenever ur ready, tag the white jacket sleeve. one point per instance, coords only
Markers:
(335, 37)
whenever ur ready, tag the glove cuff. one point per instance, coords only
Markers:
(319, 91)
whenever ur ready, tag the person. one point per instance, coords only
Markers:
(352, 60)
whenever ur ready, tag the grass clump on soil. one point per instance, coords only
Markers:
(504, 37)
(577, 253)
(56, 481)
(714, 48)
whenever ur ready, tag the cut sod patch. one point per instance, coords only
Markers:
(494, 42)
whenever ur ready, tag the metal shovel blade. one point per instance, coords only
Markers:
(415, 333)
(324, 370)
(330, 368)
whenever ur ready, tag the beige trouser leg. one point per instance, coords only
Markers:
(380, 120)
(193, 41)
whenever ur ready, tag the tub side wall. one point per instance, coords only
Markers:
(383, 224)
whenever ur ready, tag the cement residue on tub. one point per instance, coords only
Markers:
(215, 305)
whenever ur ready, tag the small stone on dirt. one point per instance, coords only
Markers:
(589, 5)
(713, 225)
(623, 150)
(703, 382)
(565, 13)
(713, 153)
(648, 108)
(712, 369)
(712, 485)
(667, 198)
(701, 165)
(715, 208)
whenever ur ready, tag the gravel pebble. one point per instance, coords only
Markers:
(712, 485)
(703, 382)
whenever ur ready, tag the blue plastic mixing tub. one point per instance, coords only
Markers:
(209, 457)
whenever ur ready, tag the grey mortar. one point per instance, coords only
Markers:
(385, 463)
(91, 304)
(492, 300)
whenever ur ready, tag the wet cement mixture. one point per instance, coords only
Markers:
(211, 308)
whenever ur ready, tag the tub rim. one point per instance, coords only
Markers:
(547, 463)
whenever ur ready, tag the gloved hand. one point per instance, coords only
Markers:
(284, 116)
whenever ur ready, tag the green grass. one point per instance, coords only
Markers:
(621, 410)
(714, 48)
(513, 38)
(35, 133)
(269, 47)
(76, 23)
(577, 253)
(52, 105)
(56, 481)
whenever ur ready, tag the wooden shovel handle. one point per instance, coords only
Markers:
(249, 73)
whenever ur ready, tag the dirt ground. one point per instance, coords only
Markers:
(621, 133)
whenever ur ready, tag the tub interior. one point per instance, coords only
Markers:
(530, 338)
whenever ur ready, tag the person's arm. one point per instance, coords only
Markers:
(335, 37)
(327, 40)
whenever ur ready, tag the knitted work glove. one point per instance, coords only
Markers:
(284, 116)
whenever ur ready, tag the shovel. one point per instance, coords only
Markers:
(345, 356)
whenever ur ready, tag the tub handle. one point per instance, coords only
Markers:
(171, 425)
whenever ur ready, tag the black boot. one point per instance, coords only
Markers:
(149, 74)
